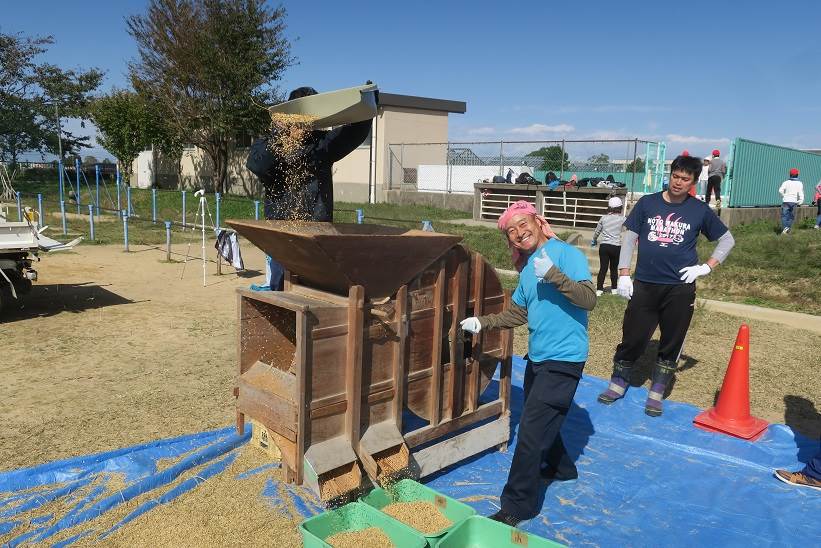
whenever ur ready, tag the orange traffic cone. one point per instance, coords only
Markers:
(731, 415)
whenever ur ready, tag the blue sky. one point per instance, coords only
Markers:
(694, 74)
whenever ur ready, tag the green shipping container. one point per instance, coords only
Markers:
(755, 171)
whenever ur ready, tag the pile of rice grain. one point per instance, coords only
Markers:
(372, 537)
(420, 515)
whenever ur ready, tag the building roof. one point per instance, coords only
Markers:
(424, 103)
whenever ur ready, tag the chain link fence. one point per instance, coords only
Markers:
(455, 167)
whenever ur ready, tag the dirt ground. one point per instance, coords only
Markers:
(113, 349)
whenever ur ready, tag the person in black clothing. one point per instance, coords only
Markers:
(314, 161)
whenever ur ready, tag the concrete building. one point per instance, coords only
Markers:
(363, 174)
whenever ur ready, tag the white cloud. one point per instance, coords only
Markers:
(536, 129)
(693, 140)
(485, 130)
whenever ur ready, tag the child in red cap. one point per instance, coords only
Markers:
(792, 195)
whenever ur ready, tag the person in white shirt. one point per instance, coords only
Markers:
(792, 195)
(702, 178)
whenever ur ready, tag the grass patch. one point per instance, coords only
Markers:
(768, 269)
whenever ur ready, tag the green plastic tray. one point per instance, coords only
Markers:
(353, 517)
(408, 490)
(480, 532)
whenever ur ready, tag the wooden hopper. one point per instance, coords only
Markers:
(367, 327)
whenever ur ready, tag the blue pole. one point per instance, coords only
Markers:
(125, 228)
(60, 167)
(97, 186)
(19, 208)
(168, 241)
(40, 208)
(256, 210)
(217, 194)
(117, 182)
(91, 219)
(154, 205)
(63, 215)
(128, 200)
(360, 216)
(77, 174)
(183, 209)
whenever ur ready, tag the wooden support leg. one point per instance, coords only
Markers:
(240, 423)
(507, 361)
(400, 366)
(474, 379)
(457, 357)
(435, 412)
(353, 364)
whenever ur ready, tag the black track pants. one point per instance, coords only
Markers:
(669, 307)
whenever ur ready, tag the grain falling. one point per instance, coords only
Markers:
(372, 537)
(420, 515)
(290, 135)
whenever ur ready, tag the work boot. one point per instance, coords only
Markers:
(662, 375)
(618, 382)
(504, 517)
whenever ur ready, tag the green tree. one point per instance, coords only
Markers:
(636, 166)
(128, 124)
(211, 66)
(33, 93)
(599, 160)
(89, 160)
(553, 159)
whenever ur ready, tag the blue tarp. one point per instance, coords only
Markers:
(643, 481)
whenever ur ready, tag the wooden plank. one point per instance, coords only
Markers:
(277, 414)
(400, 363)
(303, 391)
(270, 379)
(435, 401)
(475, 376)
(507, 361)
(456, 341)
(436, 457)
(331, 298)
(353, 363)
(328, 410)
(427, 433)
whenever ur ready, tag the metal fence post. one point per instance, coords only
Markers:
(63, 215)
(402, 164)
(60, 177)
(154, 205)
(117, 184)
(91, 220)
(77, 176)
(125, 228)
(218, 200)
(168, 241)
(19, 207)
(183, 209)
(128, 200)
(97, 186)
(256, 210)
(360, 216)
(501, 159)
(561, 164)
(40, 209)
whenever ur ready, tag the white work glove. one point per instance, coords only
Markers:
(690, 273)
(471, 325)
(541, 264)
(625, 287)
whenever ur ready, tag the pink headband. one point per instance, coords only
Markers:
(526, 208)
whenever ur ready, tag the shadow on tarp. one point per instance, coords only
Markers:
(643, 481)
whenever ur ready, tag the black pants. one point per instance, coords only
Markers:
(549, 389)
(713, 184)
(669, 307)
(608, 256)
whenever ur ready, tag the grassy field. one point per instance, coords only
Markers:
(765, 268)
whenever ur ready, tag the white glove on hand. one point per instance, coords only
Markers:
(625, 287)
(542, 264)
(471, 325)
(690, 273)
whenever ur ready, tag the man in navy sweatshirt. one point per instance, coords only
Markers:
(665, 225)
